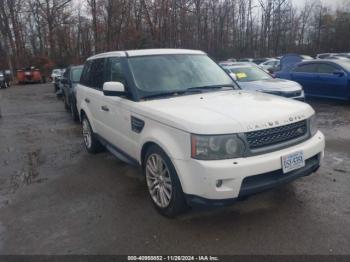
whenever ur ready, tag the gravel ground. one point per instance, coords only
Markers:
(55, 198)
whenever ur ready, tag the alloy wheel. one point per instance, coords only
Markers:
(87, 133)
(158, 180)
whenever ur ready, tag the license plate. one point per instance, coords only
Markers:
(293, 161)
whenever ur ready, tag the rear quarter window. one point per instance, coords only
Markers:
(326, 69)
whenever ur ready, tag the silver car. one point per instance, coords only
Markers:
(251, 77)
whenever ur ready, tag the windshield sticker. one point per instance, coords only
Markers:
(241, 75)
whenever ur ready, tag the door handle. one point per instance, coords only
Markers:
(87, 100)
(105, 108)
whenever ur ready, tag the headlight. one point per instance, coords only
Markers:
(215, 147)
(313, 125)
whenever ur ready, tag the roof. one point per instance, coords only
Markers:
(145, 52)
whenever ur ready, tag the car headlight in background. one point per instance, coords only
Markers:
(215, 147)
(313, 125)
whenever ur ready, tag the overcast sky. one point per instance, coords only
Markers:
(331, 3)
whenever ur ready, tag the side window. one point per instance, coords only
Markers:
(114, 71)
(96, 78)
(308, 68)
(84, 80)
(326, 69)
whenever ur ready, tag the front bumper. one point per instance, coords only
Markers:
(244, 176)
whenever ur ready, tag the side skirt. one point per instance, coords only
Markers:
(118, 153)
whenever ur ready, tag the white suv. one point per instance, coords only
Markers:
(199, 139)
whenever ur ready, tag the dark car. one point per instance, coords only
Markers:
(321, 78)
(70, 79)
(3, 82)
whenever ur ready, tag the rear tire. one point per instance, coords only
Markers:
(91, 141)
(66, 106)
(163, 183)
(74, 111)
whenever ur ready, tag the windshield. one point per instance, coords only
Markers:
(76, 73)
(170, 73)
(248, 74)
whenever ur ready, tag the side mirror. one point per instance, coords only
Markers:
(233, 75)
(113, 89)
(338, 73)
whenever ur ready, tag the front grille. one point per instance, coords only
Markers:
(276, 135)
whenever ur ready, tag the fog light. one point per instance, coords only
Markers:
(218, 183)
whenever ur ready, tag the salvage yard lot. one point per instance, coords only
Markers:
(55, 198)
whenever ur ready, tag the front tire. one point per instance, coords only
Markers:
(91, 141)
(163, 184)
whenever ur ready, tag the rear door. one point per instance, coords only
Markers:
(330, 84)
(307, 76)
(92, 81)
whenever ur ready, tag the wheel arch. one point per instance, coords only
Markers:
(152, 142)
(85, 113)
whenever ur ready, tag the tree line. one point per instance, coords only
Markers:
(55, 33)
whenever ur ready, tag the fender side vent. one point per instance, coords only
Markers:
(137, 124)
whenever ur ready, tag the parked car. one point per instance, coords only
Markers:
(324, 55)
(198, 138)
(338, 56)
(56, 72)
(3, 82)
(321, 78)
(270, 65)
(259, 61)
(226, 63)
(250, 60)
(29, 75)
(56, 81)
(251, 77)
(8, 75)
(70, 79)
(232, 59)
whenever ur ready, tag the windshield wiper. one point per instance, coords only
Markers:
(210, 87)
(171, 93)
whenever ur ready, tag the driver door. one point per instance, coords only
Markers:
(115, 112)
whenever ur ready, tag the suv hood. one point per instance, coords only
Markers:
(280, 85)
(224, 112)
